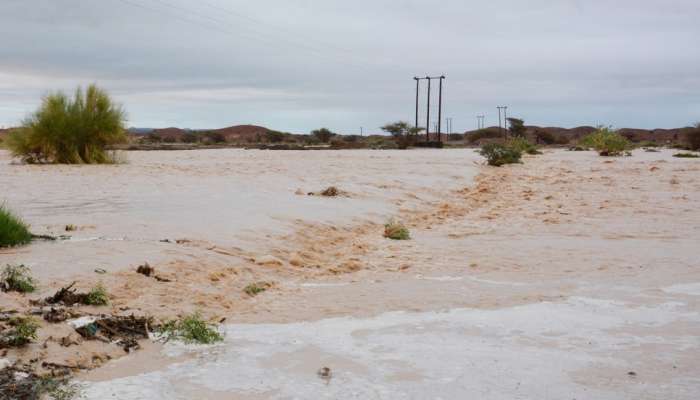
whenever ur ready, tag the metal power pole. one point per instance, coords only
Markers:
(440, 109)
(427, 118)
(417, 88)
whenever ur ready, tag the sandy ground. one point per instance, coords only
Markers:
(570, 276)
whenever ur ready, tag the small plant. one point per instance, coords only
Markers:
(606, 142)
(60, 389)
(396, 230)
(13, 231)
(191, 329)
(23, 331)
(256, 288)
(686, 155)
(17, 278)
(498, 154)
(71, 228)
(97, 296)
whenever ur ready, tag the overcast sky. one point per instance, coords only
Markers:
(296, 65)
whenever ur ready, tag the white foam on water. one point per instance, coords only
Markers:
(524, 352)
(692, 289)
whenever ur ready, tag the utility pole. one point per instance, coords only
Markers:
(505, 120)
(417, 88)
(362, 131)
(442, 77)
(427, 118)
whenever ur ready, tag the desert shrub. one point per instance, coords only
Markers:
(216, 137)
(647, 143)
(190, 137)
(17, 278)
(70, 131)
(13, 231)
(396, 230)
(351, 138)
(323, 134)
(274, 136)
(97, 296)
(686, 155)
(483, 134)
(693, 138)
(545, 137)
(403, 133)
(606, 142)
(22, 331)
(498, 154)
(522, 145)
(191, 329)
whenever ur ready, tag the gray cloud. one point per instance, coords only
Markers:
(300, 64)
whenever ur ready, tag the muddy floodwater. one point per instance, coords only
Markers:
(569, 276)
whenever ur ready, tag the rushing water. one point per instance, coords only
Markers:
(527, 352)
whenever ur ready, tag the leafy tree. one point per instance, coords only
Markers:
(517, 127)
(404, 134)
(323, 135)
(71, 131)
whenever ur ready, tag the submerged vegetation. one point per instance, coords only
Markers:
(256, 288)
(71, 131)
(686, 155)
(17, 278)
(499, 154)
(97, 296)
(21, 331)
(606, 142)
(13, 231)
(396, 230)
(191, 329)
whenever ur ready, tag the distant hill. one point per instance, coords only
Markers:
(240, 133)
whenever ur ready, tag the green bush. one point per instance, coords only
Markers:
(498, 154)
(70, 131)
(522, 145)
(13, 231)
(606, 142)
(191, 329)
(396, 230)
(17, 278)
(97, 296)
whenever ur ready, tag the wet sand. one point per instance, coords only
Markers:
(552, 279)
